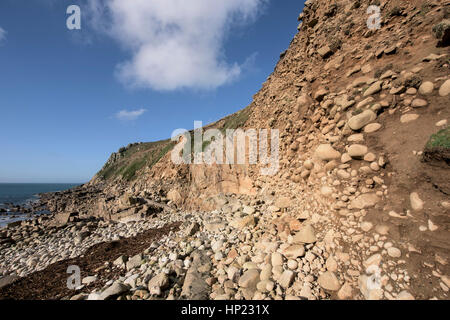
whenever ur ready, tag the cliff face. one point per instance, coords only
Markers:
(355, 108)
(316, 87)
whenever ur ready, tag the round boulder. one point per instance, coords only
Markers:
(357, 151)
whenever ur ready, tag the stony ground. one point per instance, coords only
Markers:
(38, 245)
(244, 251)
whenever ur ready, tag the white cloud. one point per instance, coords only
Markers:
(2, 34)
(126, 115)
(174, 44)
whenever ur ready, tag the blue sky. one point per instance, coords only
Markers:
(68, 98)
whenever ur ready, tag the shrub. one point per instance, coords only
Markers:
(437, 150)
(395, 11)
(129, 172)
(413, 82)
(425, 9)
(440, 139)
(156, 156)
(335, 44)
(440, 28)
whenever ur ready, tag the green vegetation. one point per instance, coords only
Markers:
(440, 140)
(425, 8)
(108, 172)
(130, 160)
(232, 122)
(440, 28)
(129, 172)
(237, 120)
(205, 145)
(414, 81)
(437, 149)
(156, 156)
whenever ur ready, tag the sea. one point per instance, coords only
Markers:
(24, 194)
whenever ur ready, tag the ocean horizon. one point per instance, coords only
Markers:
(23, 194)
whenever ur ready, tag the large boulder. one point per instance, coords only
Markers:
(426, 88)
(303, 103)
(249, 279)
(361, 120)
(329, 281)
(306, 235)
(128, 200)
(161, 281)
(241, 223)
(320, 94)
(175, 196)
(294, 251)
(416, 202)
(286, 279)
(192, 229)
(444, 90)
(134, 262)
(326, 152)
(8, 280)
(325, 52)
(66, 217)
(195, 287)
(405, 295)
(373, 89)
(357, 151)
(365, 200)
(114, 291)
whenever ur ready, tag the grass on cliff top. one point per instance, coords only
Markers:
(237, 120)
(145, 155)
(440, 139)
(159, 154)
(135, 159)
(129, 172)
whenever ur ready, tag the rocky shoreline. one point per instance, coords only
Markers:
(13, 214)
(239, 252)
